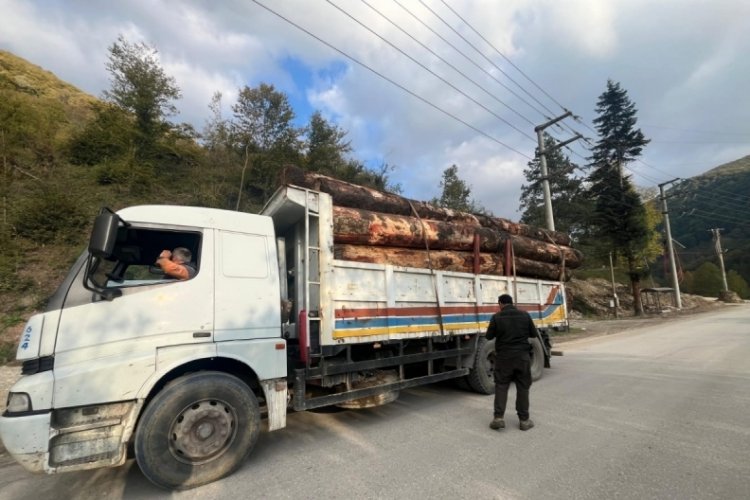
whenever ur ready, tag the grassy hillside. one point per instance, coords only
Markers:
(719, 198)
(36, 87)
(46, 202)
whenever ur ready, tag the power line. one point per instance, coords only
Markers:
(693, 141)
(389, 80)
(714, 217)
(496, 50)
(697, 131)
(446, 62)
(432, 72)
(724, 192)
(718, 202)
(447, 42)
(501, 55)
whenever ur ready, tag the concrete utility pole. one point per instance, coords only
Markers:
(539, 129)
(670, 246)
(615, 300)
(717, 238)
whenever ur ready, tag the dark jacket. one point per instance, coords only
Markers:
(511, 328)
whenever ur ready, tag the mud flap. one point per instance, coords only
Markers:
(277, 400)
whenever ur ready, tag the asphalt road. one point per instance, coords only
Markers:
(655, 412)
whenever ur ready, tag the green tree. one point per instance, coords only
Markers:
(456, 194)
(263, 131)
(108, 136)
(737, 284)
(327, 151)
(379, 178)
(326, 146)
(216, 133)
(654, 244)
(705, 280)
(219, 172)
(140, 85)
(569, 205)
(619, 217)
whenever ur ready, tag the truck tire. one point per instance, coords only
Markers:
(199, 428)
(537, 359)
(481, 378)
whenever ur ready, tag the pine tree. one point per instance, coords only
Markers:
(569, 206)
(619, 217)
(326, 147)
(456, 194)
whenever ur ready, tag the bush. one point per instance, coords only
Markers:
(50, 214)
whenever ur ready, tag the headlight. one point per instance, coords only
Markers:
(18, 402)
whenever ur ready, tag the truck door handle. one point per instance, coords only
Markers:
(198, 335)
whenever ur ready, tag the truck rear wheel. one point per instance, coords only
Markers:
(537, 359)
(199, 428)
(481, 378)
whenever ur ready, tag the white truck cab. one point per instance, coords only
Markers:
(117, 331)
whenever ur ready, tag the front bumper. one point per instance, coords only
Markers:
(26, 437)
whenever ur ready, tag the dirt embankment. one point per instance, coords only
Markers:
(591, 313)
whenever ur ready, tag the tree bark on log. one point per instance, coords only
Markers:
(345, 194)
(447, 260)
(363, 227)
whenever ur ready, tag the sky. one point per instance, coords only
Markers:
(421, 85)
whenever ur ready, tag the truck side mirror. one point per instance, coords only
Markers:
(104, 234)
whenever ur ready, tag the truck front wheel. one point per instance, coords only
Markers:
(199, 428)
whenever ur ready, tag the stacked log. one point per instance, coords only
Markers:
(377, 227)
(448, 260)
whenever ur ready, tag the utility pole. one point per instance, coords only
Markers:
(615, 300)
(717, 238)
(670, 246)
(539, 129)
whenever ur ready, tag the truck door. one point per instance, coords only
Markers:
(247, 287)
(105, 350)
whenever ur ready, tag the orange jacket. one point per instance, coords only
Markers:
(173, 269)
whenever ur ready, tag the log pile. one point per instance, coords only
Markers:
(377, 227)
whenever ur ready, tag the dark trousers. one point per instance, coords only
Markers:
(516, 370)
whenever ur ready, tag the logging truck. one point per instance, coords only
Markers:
(181, 374)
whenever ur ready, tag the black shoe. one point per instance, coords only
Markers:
(497, 423)
(526, 424)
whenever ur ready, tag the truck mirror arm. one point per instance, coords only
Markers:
(108, 294)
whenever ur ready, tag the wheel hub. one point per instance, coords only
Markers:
(490, 364)
(202, 431)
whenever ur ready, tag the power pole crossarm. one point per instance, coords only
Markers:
(539, 129)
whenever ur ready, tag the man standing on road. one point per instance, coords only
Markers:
(511, 328)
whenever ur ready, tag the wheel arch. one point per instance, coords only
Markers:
(218, 364)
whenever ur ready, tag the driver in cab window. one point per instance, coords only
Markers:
(176, 264)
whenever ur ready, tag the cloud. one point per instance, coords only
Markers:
(681, 83)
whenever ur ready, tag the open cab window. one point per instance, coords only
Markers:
(131, 262)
